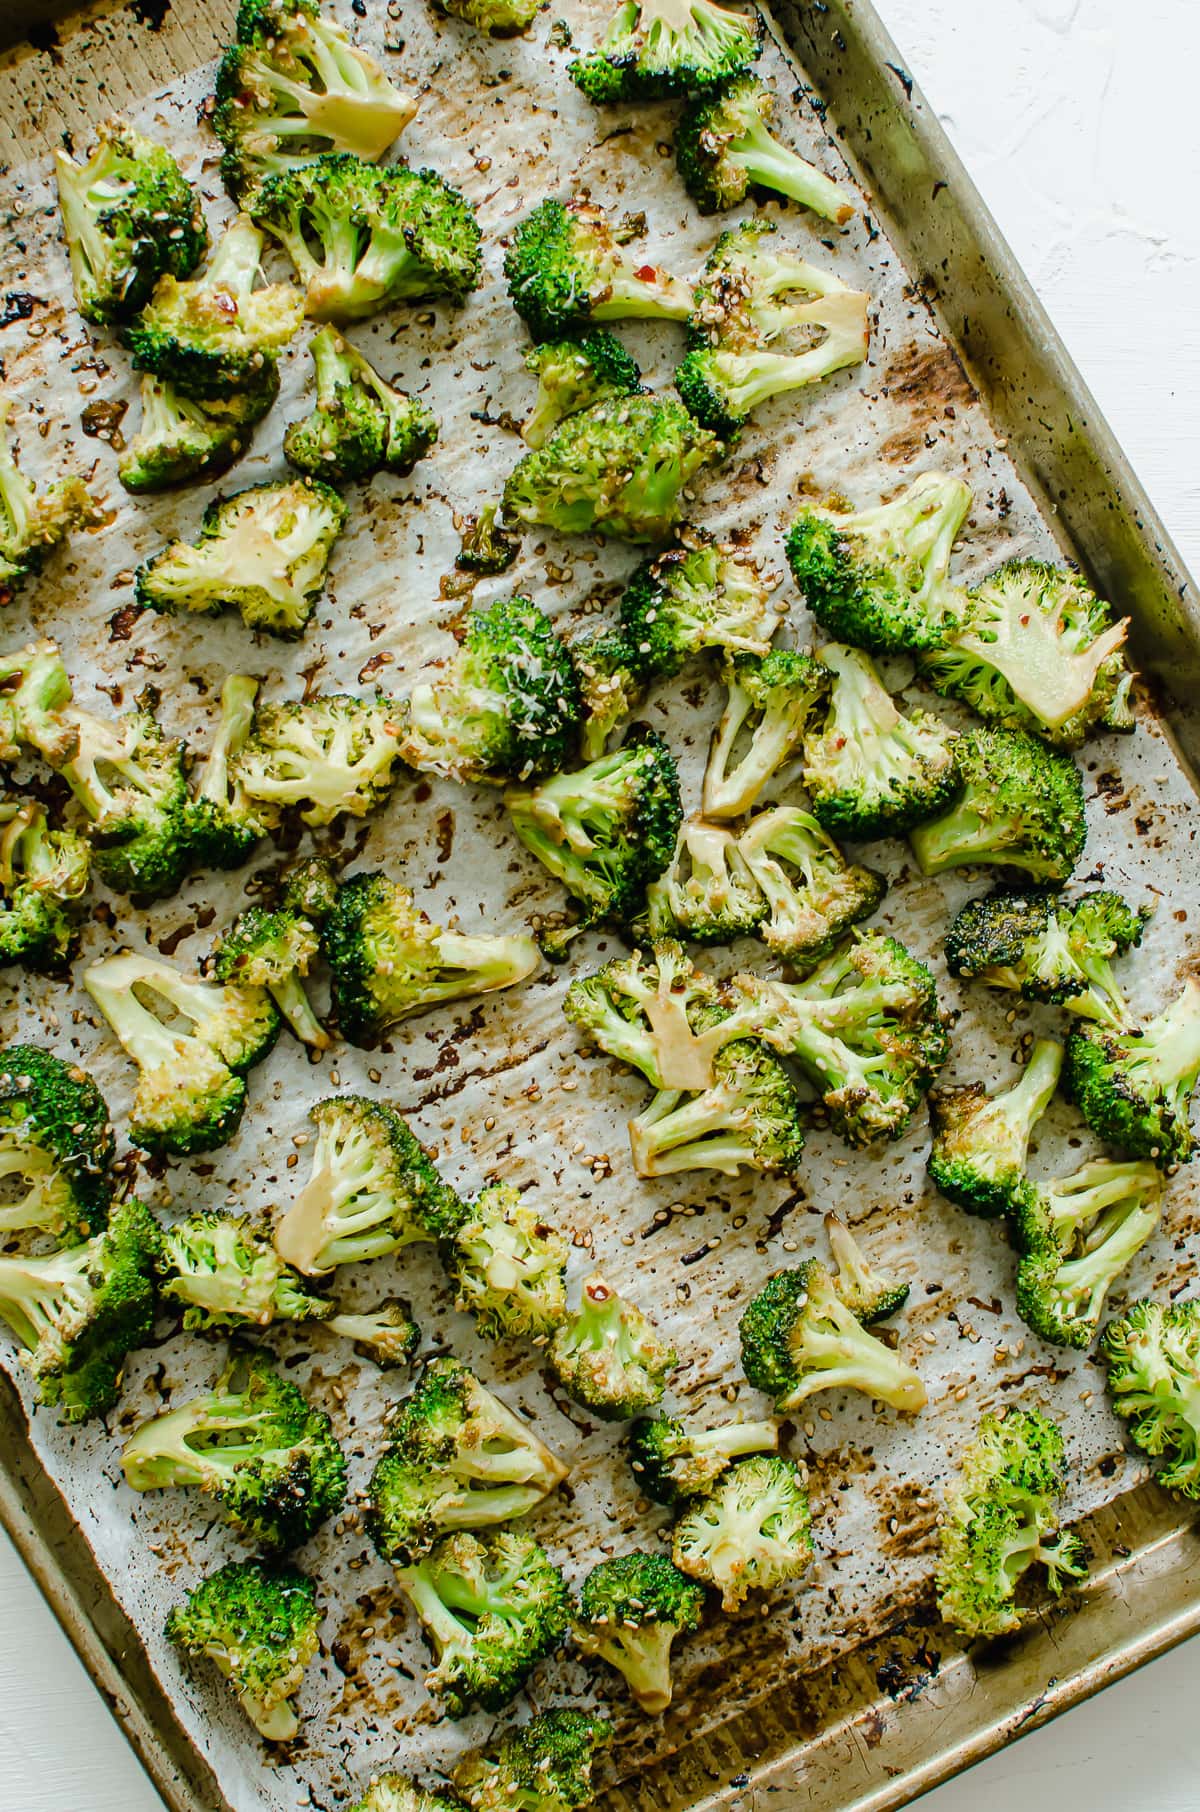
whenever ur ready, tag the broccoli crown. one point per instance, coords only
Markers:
(324, 755)
(274, 950)
(360, 424)
(262, 552)
(309, 889)
(565, 267)
(1021, 806)
(673, 1461)
(748, 1118)
(1037, 650)
(179, 438)
(631, 1609)
(608, 1356)
(362, 237)
(772, 698)
(656, 49)
(607, 830)
(542, 1766)
(572, 374)
(1077, 1235)
(879, 578)
(372, 1189)
(750, 1532)
(1134, 1086)
(78, 1312)
(486, 547)
(396, 1793)
(34, 683)
(1049, 949)
(131, 780)
(509, 1267)
(799, 1337)
(723, 145)
(662, 1017)
(31, 523)
(223, 823)
(870, 1295)
(258, 1625)
(129, 217)
(387, 1335)
(1152, 1355)
(813, 895)
(292, 86)
(456, 1458)
(981, 1141)
(44, 876)
(700, 594)
(1003, 1518)
(226, 1273)
(493, 1607)
(502, 18)
(56, 1146)
(610, 689)
(267, 1457)
(709, 894)
(619, 468)
(504, 706)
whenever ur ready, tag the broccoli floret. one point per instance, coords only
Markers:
(813, 894)
(573, 374)
(309, 888)
(372, 1189)
(709, 894)
(799, 1337)
(180, 438)
(131, 780)
(360, 424)
(262, 552)
(502, 18)
(981, 1141)
(266, 1456)
(748, 1118)
(607, 830)
(723, 144)
(673, 1461)
(631, 1610)
(291, 86)
(396, 1793)
(1077, 1235)
(227, 1274)
(663, 1017)
(34, 687)
(750, 1532)
(456, 1458)
(493, 1607)
(609, 685)
(1036, 649)
(44, 876)
(361, 237)
(324, 755)
(224, 825)
(1003, 1519)
(655, 49)
(1134, 1085)
(772, 700)
(1153, 1359)
(32, 522)
(218, 336)
(700, 594)
(608, 1356)
(542, 1766)
(274, 950)
(129, 217)
(1049, 949)
(879, 578)
(509, 1267)
(79, 1312)
(872, 771)
(56, 1147)
(258, 1625)
(1021, 807)
(565, 267)
(191, 1089)
(870, 1296)
(387, 1335)
(486, 547)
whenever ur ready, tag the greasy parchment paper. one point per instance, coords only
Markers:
(499, 1088)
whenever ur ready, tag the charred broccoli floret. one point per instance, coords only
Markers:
(608, 1356)
(981, 1141)
(542, 1766)
(631, 1610)
(56, 1147)
(655, 49)
(131, 780)
(662, 1017)
(323, 756)
(573, 374)
(724, 145)
(565, 267)
(799, 1337)
(34, 688)
(227, 1274)
(673, 1461)
(32, 521)
(1152, 1355)
(387, 1335)
(509, 1267)
(709, 894)
(870, 1295)
(486, 547)
(1049, 949)
(309, 888)
(772, 700)
(700, 594)
(1077, 1235)
(1134, 1084)
(44, 876)
(274, 950)
(179, 438)
(610, 688)
(1021, 806)
(396, 1793)
(748, 1118)
(224, 824)
(750, 1532)
(502, 18)
(814, 896)
(360, 424)
(258, 1626)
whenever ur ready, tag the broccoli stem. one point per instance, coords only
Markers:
(160, 1453)
(140, 1032)
(962, 836)
(752, 378)
(278, 1723)
(289, 996)
(632, 296)
(1027, 1101)
(675, 1133)
(734, 1439)
(233, 728)
(642, 1654)
(1082, 1284)
(1168, 1051)
(1073, 1208)
(848, 1357)
(235, 263)
(768, 162)
(437, 1617)
(39, 1206)
(34, 1293)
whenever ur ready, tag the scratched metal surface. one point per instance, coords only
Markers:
(501, 1089)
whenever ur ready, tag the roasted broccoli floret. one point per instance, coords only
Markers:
(291, 86)
(709, 894)
(750, 1532)
(748, 1118)
(56, 1147)
(509, 1267)
(631, 1610)
(216, 335)
(179, 438)
(43, 877)
(32, 522)
(486, 548)
(456, 1458)
(573, 374)
(387, 1336)
(662, 1017)
(362, 237)
(1134, 1085)
(309, 888)
(981, 1141)
(673, 1461)
(655, 49)
(493, 1606)
(227, 1274)
(723, 145)
(878, 578)
(396, 1793)
(502, 18)
(1049, 949)
(34, 687)
(1003, 1519)
(1153, 1359)
(129, 216)
(799, 1337)
(700, 594)
(258, 1626)
(191, 1089)
(610, 688)
(274, 950)
(372, 1189)
(360, 424)
(131, 780)
(1077, 1235)
(565, 267)
(324, 755)
(1036, 649)
(224, 824)
(870, 1295)
(542, 1766)
(266, 1456)
(609, 1357)
(772, 700)
(813, 894)
(1021, 806)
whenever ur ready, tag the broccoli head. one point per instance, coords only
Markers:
(1043, 948)
(396, 1793)
(542, 1766)
(1152, 1355)
(610, 688)
(750, 1532)
(56, 1147)
(274, 950)
(572, 374)
(486, 548)
(981, 1141)
(360, 424)
(258, 1626)
(227, 1274)
(814, 896)
(709, 894)
(631, 1610)
(1021, 806)
(748, 1118)
(509, 1267)
(44, 876)
(700, 594)
(1134, 1085)
(33, 522)
(772, 700)
(309, 889)
(179, 438)
(324, 755)
(609, 1357)
(799, 1337)
(656, 49)
(1077, 1235)
(673, 1461)
(565, 267)
(724, 145)
(131, 780)
(870, 1295)
(224, 823)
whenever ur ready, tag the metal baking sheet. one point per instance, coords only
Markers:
(844, 1693)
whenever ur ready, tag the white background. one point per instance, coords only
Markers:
(1080, 122)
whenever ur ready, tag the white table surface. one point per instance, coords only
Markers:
(1079, 120)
